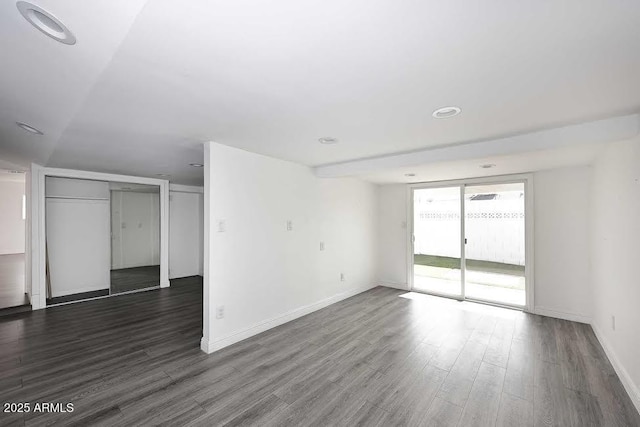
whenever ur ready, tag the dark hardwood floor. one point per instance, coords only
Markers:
(374, 359)
(78, 297)
(135, 278)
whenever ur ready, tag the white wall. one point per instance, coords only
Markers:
(135, 228)
(561, 204)
(186, 231)
(392, 235)
(615, 278)
(259, 271)
(562, 276)
(12, 225)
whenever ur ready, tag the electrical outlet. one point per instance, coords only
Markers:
(289, 225)
(220, 312)
(342, 277)
(613, 322)
(322, 246)
(222, 226)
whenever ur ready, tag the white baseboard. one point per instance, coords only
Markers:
(204, 345)
(549, 312)
(37, 303)
(632, 389)
(401, 286)
(210, 347)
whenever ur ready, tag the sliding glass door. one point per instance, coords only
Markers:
(494, 251)
(437, 263)
(469, 242)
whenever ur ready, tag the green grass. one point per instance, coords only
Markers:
(472, 264)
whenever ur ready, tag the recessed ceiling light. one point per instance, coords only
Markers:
(46, 22)
(410, 175)
(28, 128)
(328, 140)
(196, 165)
(488, 166)
(446, 112)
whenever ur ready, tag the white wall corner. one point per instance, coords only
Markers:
(574, 317)
(37, 251)
(206, 346)
(207, 306)
(632, 389)
(164, 234)
(394, 285)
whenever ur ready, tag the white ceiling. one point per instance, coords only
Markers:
(504, 165)
(149, 81)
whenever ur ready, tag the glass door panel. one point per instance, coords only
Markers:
(495, 243)
(437, 239)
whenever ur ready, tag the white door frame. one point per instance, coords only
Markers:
(38, 221)
(527, 179)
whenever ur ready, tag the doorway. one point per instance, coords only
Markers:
(469, 240)
(12, 240)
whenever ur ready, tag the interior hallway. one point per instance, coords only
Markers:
(384, 357)
(12, 281)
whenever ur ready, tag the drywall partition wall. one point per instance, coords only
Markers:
(185, 231)
(77, 235)
(265, 222)
(12, 221)
(615, 279)
(562, 210)
(561, 203)
(392, 236)
(135, 226)
(27, 236)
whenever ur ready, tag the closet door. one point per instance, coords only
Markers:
(78, 245)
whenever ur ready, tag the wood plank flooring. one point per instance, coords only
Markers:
(134, 278)
(377, 359)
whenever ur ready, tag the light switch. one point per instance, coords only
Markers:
(222, 226)
(322, 246)
(289, 225)
(220, 312)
